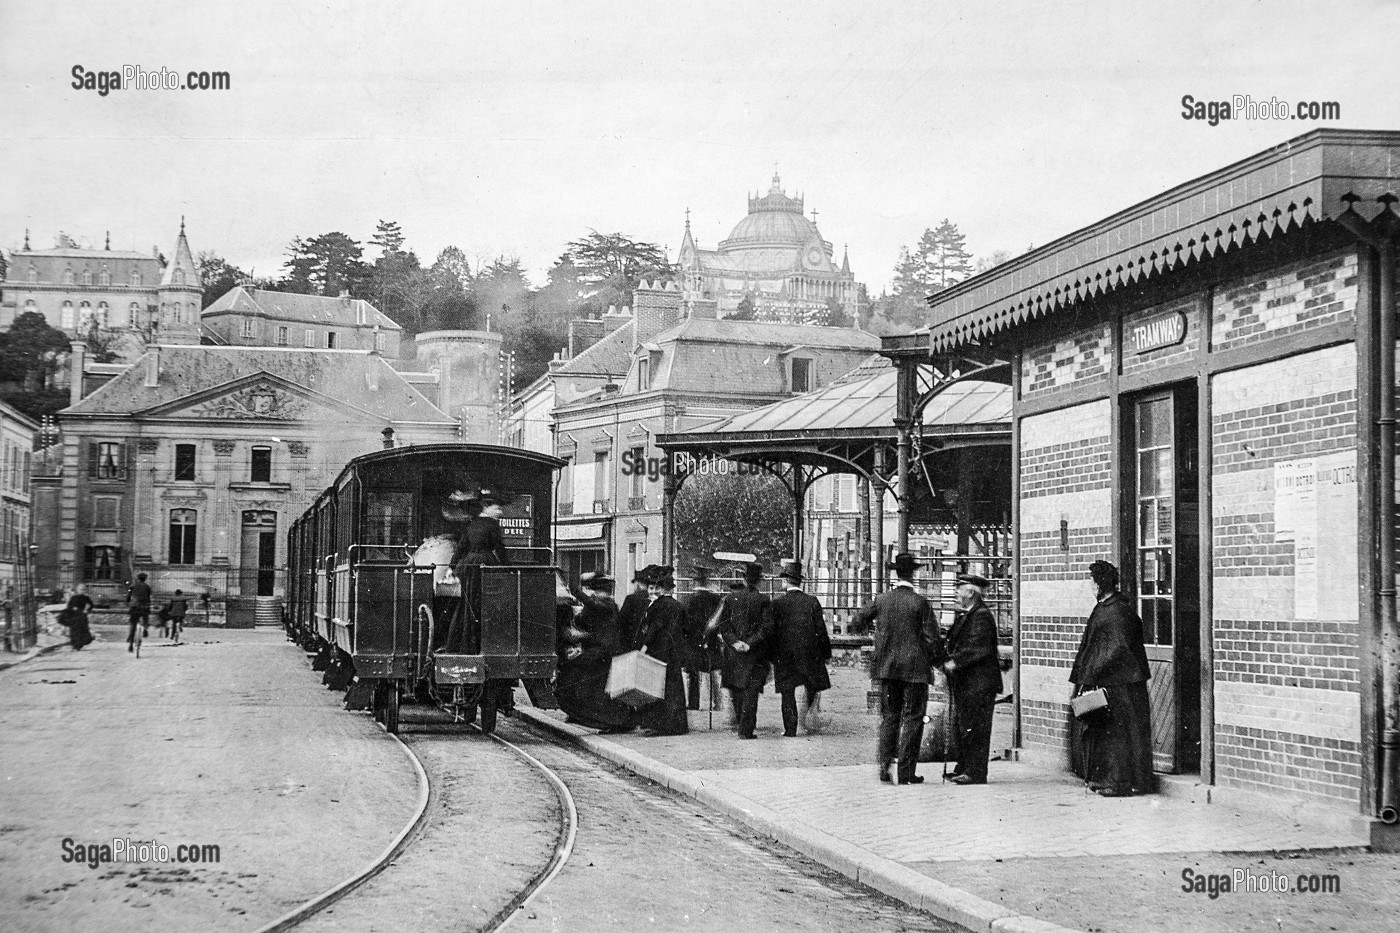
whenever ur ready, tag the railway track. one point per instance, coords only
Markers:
(363, 895)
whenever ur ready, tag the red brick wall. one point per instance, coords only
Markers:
(1286, 650)
(1294, 298)
(1065, 476)
(1082, 358)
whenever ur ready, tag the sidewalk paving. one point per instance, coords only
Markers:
(1031, 850)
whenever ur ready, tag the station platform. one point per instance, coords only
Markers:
(1031, 850)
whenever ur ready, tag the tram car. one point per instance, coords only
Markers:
(379, 588)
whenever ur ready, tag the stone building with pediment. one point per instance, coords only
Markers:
(190, 464)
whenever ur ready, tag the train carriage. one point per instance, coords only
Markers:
(378, 587)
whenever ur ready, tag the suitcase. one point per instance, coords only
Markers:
(636, 679)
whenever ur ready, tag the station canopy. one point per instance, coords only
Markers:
(842, 425)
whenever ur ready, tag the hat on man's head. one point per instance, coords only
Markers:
(701, 572)
(976, 579)
(753, 572)
(903, 564)
(596, 580)
(791, 570)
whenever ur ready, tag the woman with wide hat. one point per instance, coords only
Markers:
(587, 648)
(662, 636)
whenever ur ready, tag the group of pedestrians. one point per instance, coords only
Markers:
(76, 614)
(743, 635)
(909, 646)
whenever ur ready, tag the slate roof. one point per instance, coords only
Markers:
(610, 356)
(307, 309)
(771, 335)
(342, 375)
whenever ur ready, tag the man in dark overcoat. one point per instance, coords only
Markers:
(700, 608)
(634, 606)
(801, 647)
(1112, 655)
(746, 625)
(974, 678)
(906, 644)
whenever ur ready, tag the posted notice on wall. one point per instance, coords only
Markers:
(1315, 508)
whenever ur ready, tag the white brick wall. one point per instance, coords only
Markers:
(1078, 423)
(1328, 714)
(1321, 372)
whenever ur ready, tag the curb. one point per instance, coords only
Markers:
(884, 875)
(31, 655)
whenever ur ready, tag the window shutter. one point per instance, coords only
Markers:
(121, 460)
(92, 459)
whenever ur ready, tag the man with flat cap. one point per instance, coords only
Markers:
(746, 625)
(906, 645)
(974, 678)
(801, 647)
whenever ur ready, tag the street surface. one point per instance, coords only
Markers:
(229, 739)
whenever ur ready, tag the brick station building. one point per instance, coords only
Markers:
(1203, 393)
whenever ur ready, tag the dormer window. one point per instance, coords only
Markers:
(87, 276)
(67, 276)
(178, 278)
(135, 278)
(105, 278)
(33, 274)
(801, 375)
(643, 373)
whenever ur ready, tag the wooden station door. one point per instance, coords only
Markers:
(1164, 498)
(258, 567)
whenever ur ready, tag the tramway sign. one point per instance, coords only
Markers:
(1156, 332)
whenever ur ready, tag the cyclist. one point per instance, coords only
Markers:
(178, 607)
(138, 601)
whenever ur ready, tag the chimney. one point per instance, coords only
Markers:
(657, 307)
(388, 438)
(152, 366)
(77, 362)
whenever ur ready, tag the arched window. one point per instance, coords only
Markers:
(133, 311)
(193, 312)
(103, 315)
(183, 525)
(135, 277)
(30, 307)
(106, 277)
(84, 315)
(176, 313)
(65, 316)
(87, 276)
(67, 276)
(33, 274)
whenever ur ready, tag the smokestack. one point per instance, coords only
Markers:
(388, 438)
(153, 367)
(77, 362)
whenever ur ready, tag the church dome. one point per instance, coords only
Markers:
(773, 220)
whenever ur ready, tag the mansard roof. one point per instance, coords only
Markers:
(188, 373)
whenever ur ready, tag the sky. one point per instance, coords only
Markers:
(509, 129)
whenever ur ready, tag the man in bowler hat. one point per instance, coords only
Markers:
(906, 646)
(974, 678)
(746, 625)
(801, 647)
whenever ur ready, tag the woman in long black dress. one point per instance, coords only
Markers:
(587, 648)
(1111, 655)
(76, 616)
(662, 636)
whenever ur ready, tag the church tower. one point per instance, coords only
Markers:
(179, 296)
